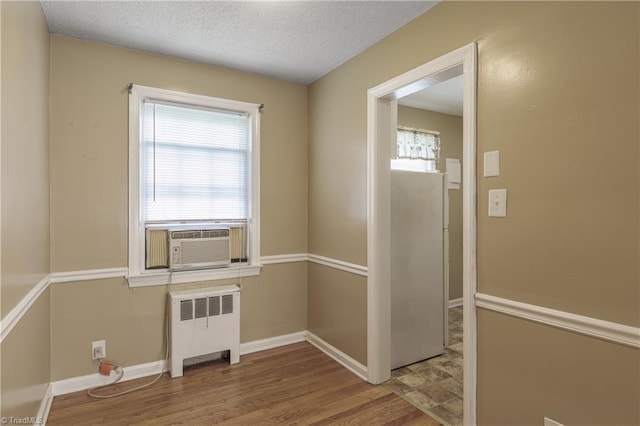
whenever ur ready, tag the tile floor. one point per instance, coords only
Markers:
(435, 385)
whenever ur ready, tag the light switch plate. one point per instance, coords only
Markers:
(492, 163)
(497, 203)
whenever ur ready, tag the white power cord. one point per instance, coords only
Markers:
(120, 370)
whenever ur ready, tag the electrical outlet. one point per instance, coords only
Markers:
(98, 349)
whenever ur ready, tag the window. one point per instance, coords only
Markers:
(193, 166)
(419, 145)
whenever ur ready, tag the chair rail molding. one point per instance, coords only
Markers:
(15, 315)
(339, 264)
(614, 332)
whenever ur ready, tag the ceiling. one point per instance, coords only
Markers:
(445, 97)
(296, 41)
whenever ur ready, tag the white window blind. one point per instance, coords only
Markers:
(195, 163)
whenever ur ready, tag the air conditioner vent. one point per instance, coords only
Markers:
(184, 246)
(202, 248)
(215, 233)
(183, 235)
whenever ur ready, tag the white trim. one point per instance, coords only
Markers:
(80, 383)
(18, 311)
(454, 303)
(45, 405)
(284, 258)
(272, 342)
(469, 56)
(75, 384)
(88, 275)
(339, 264)
(135, 246)
(157, 278)
(381, 121)
(549, 422)
(254, 175)
(164, 278)
(345, 360)
(601, 329)
(380, 125)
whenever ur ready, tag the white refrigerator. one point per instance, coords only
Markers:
(419, 266)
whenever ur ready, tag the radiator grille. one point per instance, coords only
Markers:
(203, 322)
(186, 310)
(206, 306)
(227, 304)
(214, 306)
(201, 307)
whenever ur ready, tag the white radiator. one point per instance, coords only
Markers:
(204, 321)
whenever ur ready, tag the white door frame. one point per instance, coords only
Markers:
(381, 123)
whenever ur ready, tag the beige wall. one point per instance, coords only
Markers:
(340, 321)
(25, 203)
(25, 150)
(89, 168)
(557, 91)
(558, 94)
(132, 320)
(89, 147)
(535, 97)
(274, 304)
(450, 128)
(543, 371)
(26, 364)
(571, 239)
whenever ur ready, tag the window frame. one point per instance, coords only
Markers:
(138, 275)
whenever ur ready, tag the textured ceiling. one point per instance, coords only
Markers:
(297, 41)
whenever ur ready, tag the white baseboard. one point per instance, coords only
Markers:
(345, 360)
(45, 405)
(454, 303)
(272, 342)
(75, 384)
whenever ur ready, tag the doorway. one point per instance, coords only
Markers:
(382, 125)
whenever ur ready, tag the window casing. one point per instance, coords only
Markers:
(193, 162)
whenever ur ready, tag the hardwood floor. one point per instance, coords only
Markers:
(295, 384)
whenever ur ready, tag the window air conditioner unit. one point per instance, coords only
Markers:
(199, 248)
